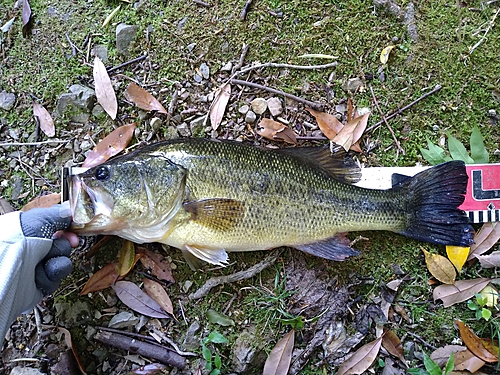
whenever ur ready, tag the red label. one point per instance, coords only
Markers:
(483, 188)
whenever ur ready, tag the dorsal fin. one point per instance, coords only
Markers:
(339, 165)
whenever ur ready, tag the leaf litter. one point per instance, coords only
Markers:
(104, 90)
(143, 99)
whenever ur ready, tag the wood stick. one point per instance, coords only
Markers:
(245, 10)
(202, 3)
(9, 144)
(158, 352)
(126, 63)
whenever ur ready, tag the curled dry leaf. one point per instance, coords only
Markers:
(156, 291)
(104, 90)
(276, 131)
(69, 342)
(488, 235)
(26, 16)
(157, 264)
(102, 279)
(218, 107)
(392, 343)
(328, 124)
(44, 119)
(477, 346)
(362, 359)
(132, 296)
(440, 267)
(351, 132)
(112, 144)
(461, 291)
(44, 201)
(143, 99)
(279, 359)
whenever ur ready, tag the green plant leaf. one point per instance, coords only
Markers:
(217, 338)
(217, 361)
(296, 323)
(218, 318)
(431, 366)
(215, 371)
(485, 314)
(477, 150)
(417, 371)
(435, 154)
(472, 305)
(207, 354)
(449, 365)
(458, 151)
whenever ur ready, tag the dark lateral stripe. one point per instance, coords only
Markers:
(484, 216)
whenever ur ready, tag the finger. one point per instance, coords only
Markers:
(60, 247)
(44, 222)
(58, 268)
(42, 281)
(73, 238)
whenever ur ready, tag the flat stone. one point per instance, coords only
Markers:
(25, 371)
(275, 107)
(102, 52)
(259, 105)
(205, 71)
(243, 109)
(184, 130)
(125, 35)
(250, 117)
(353, 85)
(227, 67)
(7, 100)
(248, 352)
(123, 320)
(197, 126)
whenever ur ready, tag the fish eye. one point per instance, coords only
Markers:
(102, 173)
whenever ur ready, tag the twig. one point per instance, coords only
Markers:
(202, 3)
(314, 105)
(287, 66)
(386, 123)
(172, 344)
(245, 10)
(9, 144)
(492, 23)
(310, 138)
(140, 58)
(241, 61)
(421, 340)
(238, 276)
(158, 352)
(399, 111)
(73, 47)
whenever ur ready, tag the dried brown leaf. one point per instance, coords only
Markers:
(489, 261)
(157, 264)
(475, 344)
(104, 90)
(44, 119)
(279, 359)
(276, 131)
(102, 279)
(351, 111)
(441, 355)
(143, 99)
(132, 296)
(466, 360)
(26, 16)
(392, 343)
(440, 267)
(461, 291)
(156, 291)
(218, 107)
(5, 207)
(127, 258)
(96, 247)
(351, 132)
(112, 144)
(488, 235)
(362, 359)
(44, 201)
(69, 342)
(328, 124)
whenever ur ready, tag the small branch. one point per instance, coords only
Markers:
(158, 352)
(9, 144)
(313, 105)
(386, 123)
(202, 3)
(492, 23)
(137, 59)
(245, 10)
(311, 138)
(73, 47)
(241, 61)
(287, 66)
(238, 276)
(399, 111)
(421, 340)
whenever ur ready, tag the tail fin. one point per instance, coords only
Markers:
(433, 198)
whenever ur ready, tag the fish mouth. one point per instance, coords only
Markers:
(90, 207)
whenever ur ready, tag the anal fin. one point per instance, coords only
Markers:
(218, 256)
(335, 248)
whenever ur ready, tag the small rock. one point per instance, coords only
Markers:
(205, 70)
(190, 47)
(341, 108)
(85, 145)
(496, 152)
(187, 285)
(14, 134)
(197, 78)
(183, 130)
(275, 106)
(155, 124)
(98, 110)
(7, 100)
(102, 52)
(353, 85)
(435, 128)
(248, 352)
(77, 103)
(227, 67)
(123, 320)
(197, 126)
(244, 109)
(191, 342)
(250, 117)
(125, 35)
(25, 371)
(259, 105)
(171, 133)
(363, 110)
(181, 24)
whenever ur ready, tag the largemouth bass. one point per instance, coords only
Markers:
(208, 198)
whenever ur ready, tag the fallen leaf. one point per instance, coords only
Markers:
(329, 125)
(102, 279)
(218, 318)
(44, 201)
(151, 369)
(157, 264)
(441, 355)
(5, 207)
(44, 119)
(7, 25)
(104, 90)
(488, 235)
(490, 294)
(475, 344)
(143, 99)
(457, 255)
(110, 16)
(132, 296)
(491, 260)
(112, 144)
(392, 343)
(156, 291)
(461, 291)
(274, 131)
(351, 132)
(126, 257)
(69, 342)
(218, 107)
(466, 360)
(362, 359)
(26, 16)
(351, 111)
(440, 267)
(278, 362)
(384, 55)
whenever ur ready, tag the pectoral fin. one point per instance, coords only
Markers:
(334, 248)
(218, 256)
(217, 213)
